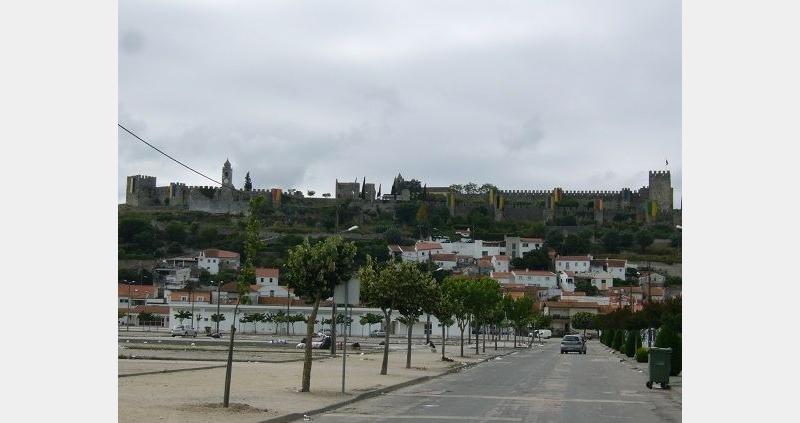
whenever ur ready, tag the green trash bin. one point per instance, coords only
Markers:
(659, 364)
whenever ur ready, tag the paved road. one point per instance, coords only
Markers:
(538, 385)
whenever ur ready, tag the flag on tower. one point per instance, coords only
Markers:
(667, 162)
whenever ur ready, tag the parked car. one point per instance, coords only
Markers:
(184, 331)
(572, 343)
(378, 333)
(544, 333)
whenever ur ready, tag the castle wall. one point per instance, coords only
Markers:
(660, 188)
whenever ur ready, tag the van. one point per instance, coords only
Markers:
(544, 333)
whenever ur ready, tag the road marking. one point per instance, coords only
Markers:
(426, 417)
(581, 400)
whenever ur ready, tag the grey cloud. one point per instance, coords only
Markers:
(528, 95)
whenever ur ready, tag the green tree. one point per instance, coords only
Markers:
(519, 312)
(442, 309)
(204, 278)
(370, 319)
(146, 318)
(554, 239)
(216, 318)
(247, 274)
(611, 241)
(313, 272)
(618, 339)
(632, 343)
(391, 287)
(183, 315)
(422, 213)
(583, 320)
(420, 289)
(583, 285)
(644, 239)
(535, 260)
(176, 232)
(248, 184)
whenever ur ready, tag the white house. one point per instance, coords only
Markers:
(419, 252)
(567, 281)
(613, 266)
(573, 263)
(541, 278)
(652, 278)
(445, 261)
(518, 246)
(213, 259)
(267, 283)
(500, 263)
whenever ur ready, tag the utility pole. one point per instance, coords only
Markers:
(219, 284)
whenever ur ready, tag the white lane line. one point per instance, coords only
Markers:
(425, 417)
(582, 400)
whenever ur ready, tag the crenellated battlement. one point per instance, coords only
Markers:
(659, 173)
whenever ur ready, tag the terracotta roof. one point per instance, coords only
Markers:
(485, 263)
(444, 257)
(502, 274)
(395, 248)
(502, 258)
(428, 246)
(533, 273)
(464, 257)
(573, 258)
(213, 252)
(137, 292)
(267, 272)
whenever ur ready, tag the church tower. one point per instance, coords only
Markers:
(227, 174)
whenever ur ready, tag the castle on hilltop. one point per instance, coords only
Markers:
(141, 192)
(649, 203)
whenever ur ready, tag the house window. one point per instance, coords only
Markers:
(272, 294)
(200, 299)
(184, 298)
(524, 244)
(484, 253)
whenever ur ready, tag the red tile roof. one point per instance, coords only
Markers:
(502, 274)
(213, 252)
(137, 292)
(502, 258)
(444, 257)
(395, 248)
(428, 246)
(230, 287)
(267, 272)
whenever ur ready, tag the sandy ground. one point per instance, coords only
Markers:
(262, 390)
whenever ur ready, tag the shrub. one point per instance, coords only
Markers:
(641, 355)
(618, 340)
(632, 343)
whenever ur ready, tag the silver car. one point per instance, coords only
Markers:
(573, 343)
(184, 331)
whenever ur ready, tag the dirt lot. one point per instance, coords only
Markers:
(260, 390)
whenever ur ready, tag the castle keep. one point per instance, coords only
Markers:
(648, 203)
(141, 192)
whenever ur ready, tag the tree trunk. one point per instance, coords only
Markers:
(515, 337)
(443, 340)
(306, 381)
(462, 340)
(484, 341)
(229, 365)
(496, 335)
(477, 330)
(385, 364)
(408, 351)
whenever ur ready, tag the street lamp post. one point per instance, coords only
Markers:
(333, 309)
(333, 323)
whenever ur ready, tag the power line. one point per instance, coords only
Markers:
(171, 158)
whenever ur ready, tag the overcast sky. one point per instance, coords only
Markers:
(524, 95)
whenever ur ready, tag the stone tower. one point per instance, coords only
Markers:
(660, 190)
(227, 174)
